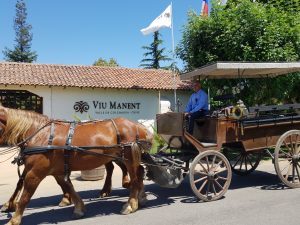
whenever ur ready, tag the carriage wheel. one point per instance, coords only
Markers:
(210, 175)
(287, 158)
(242, 162)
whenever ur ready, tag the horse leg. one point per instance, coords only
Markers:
(125, 178)
(66, 200)
(108, 180)
(68, 187)
(10, 206)
(136, 186)
(142, 197)
(31, 182)
(106, 190)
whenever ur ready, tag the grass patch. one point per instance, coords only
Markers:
(155, 146)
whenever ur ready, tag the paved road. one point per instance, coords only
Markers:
(256, 199)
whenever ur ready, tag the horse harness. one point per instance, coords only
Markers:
(19, 160)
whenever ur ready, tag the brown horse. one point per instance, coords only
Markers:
(22, 126)
(66, 199)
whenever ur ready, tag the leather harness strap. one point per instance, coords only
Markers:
(68, 146)
(67, 151)
(117, 131)
(137, 137)
(52, 130)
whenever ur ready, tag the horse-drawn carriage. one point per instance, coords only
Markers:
(241, 135)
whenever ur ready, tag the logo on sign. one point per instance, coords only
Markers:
(81, 106)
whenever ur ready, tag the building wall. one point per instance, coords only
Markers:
(87, 103)
(182, 98)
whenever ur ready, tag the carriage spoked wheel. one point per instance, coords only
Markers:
(242, 162)
(210, 175)
(287, 158)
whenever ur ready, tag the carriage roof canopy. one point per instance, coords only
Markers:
(231, 70)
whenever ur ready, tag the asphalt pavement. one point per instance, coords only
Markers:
(258, 199)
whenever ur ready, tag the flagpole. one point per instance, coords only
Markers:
(173, 66)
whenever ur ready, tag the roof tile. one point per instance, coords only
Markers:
(87, 76)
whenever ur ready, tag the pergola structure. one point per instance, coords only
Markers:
(233, 70)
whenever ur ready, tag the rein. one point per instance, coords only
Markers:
(14, 153)
(83, 149)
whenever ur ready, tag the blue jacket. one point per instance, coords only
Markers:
(198, 101)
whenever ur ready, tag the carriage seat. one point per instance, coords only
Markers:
(208, 144)
(269, 114)
(274, 108)
(256, 121)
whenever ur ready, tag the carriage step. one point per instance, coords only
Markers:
(208, 145)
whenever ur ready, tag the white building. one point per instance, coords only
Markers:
(89, 92)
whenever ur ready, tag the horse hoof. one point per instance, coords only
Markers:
(104, 194)
(64, 202)
(13, 222)
(126, 209)
(5, 208)
(126, 185)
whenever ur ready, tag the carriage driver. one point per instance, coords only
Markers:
(197, 106)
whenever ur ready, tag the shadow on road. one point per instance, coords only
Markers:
(94, 207)
(258, 179)
(158, 197)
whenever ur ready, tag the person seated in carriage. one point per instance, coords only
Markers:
(197, 106)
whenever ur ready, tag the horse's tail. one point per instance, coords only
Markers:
(149, 136)
(146, 143)
(136, 152)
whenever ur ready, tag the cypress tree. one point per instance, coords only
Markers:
(22, 49)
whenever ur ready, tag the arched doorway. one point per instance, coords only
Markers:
(21, 99)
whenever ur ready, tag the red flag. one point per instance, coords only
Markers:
(204, 10)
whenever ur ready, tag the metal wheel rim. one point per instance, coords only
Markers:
(210, 175)
(287, 158)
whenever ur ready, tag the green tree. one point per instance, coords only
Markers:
(154, 55)
(21, 51)
(245, 31)
(102, 62)
(290, 5)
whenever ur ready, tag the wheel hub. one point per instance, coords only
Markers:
(295, 158)
(210, 175)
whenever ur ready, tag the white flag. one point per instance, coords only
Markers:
(163, 20)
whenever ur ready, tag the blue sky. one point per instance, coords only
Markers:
(78, 32)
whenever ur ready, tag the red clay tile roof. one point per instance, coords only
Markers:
(87, 76)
